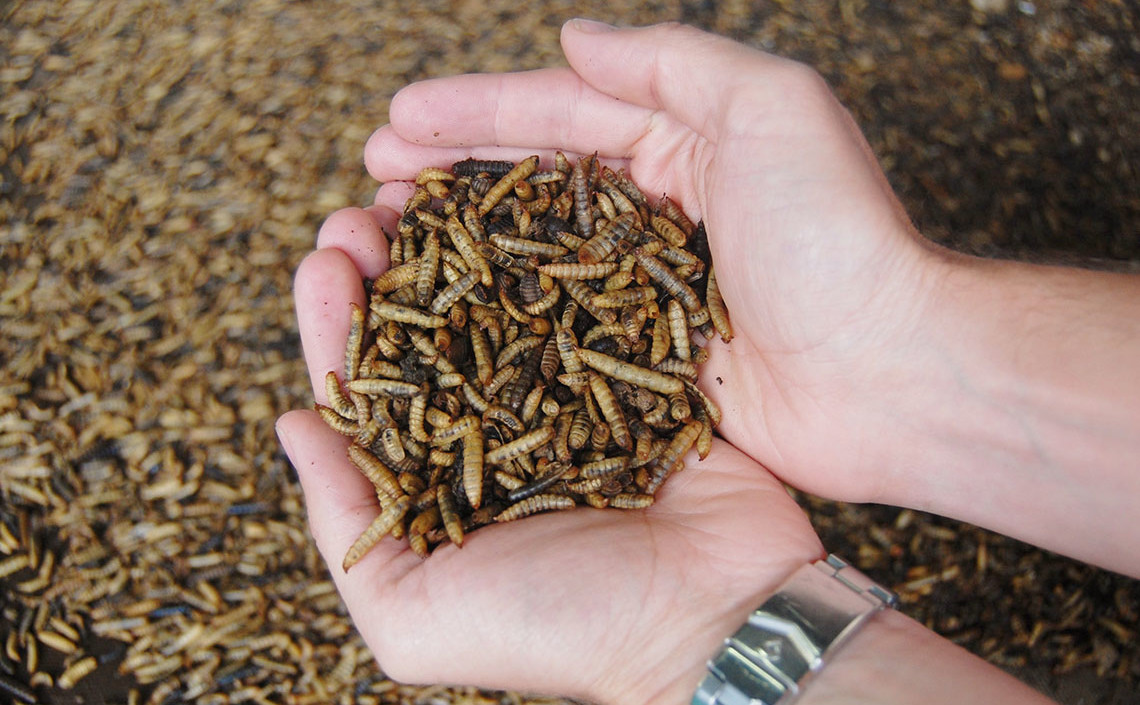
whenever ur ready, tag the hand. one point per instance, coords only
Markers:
(608, 605)
(824, 277)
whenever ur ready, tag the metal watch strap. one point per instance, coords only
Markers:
(787, 639)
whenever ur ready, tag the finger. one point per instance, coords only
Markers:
(390, 157)
(340, 501)
(692, 75)
(385, 217)
(356, 232)
(547, 108)
(326, 282)
(392, 195)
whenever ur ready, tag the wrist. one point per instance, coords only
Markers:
(669, 660)
(1027, 390)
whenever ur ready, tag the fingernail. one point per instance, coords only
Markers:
(591, 26)
(283, 439)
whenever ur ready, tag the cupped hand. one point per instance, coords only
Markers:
(608, 605)
(826, 281)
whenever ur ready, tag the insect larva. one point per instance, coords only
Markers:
(451, 521)
(668, 231)
(578, 270)
(670, 282)
(534, 505)
(710, 407)
(31, 655)
(474, 167)
(520, 346)
(381, 477)
(544, 304)
(508, 481)
(462, 427)
(453, 292)
(718, 313)
(336, 422)
(679, 407)
(698, 318)
(64, 628)
(416, 413)
(604, 467)
(386, 387)
(584, 295)
(337, 400)
(473, 463)
(612, 412)
(628, 372)
(601, 246)
(628, 500)
(621, 202)
(465, 246)
(579, 188)
(504, 416)
(679, 330)
(669, 208)
(76, 672)
(531, 403)
(524, 444)
(603, 203)
(56, 641)
(12, 565)
(600, 331)
(433, 174)
(680, 445)
(522, 246)
(429, 269)
(570, 241)
(429, 219)
(390, 443)
(352, 349)
(418, 527)
(378, 529)
(561, 441)
(552, 474)
(625, 297)
(627, 187)
(389, 311)
(703, 443)
(507, 183)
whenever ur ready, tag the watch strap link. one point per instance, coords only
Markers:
(787, 639)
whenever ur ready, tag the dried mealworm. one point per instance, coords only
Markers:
(76, 672)
(473, 462)
(389, 311)
(534, 505)
(381, 477)
(522, 445)
(352, 349)
(670, 282)
(718, 313)
(612, 412)
(385, 387)
(507, 183)
(378, 529)
(628, 372)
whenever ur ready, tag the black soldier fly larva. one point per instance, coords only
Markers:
(530, 349)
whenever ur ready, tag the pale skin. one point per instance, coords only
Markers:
(868, 365)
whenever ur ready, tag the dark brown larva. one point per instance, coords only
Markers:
(530, 350)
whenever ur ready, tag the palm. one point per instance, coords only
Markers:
(575, 588)
(572, 588)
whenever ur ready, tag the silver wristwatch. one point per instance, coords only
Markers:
(785, 641)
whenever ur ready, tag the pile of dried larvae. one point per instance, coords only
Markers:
(530, 349)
